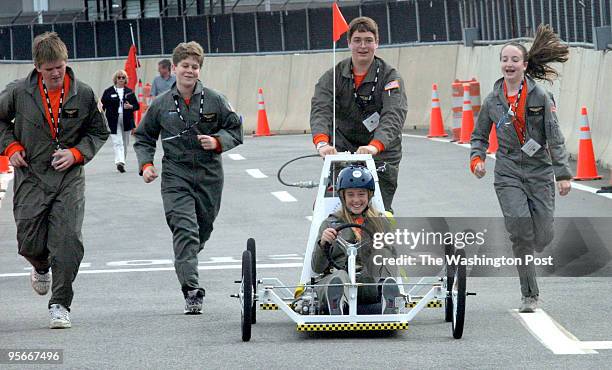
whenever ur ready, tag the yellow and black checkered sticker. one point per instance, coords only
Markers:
(358, 326)
(430, 304)
(268, 306)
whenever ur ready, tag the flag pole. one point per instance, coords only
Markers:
(134, 43)
(334, 94)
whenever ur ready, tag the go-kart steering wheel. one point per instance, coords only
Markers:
(340, 240)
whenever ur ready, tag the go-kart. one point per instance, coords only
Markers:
(300, 302)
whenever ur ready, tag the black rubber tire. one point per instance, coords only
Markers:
(247, 296)
(450, 276)
(251, 248)
(459, 293)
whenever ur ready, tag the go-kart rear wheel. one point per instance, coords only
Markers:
(450, 276)
(246, 295)
(251, 248)
(458, 294)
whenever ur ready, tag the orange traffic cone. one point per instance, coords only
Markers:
(493, 145)
(467, 121)
(436, 125)
(4, 164)
(263, 129)
(586, 158)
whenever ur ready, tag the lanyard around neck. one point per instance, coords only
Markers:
(59, 111)
(187, 126)
(363, 99)
(514, 107)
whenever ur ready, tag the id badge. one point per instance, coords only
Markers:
(531, 147)
(372, 121)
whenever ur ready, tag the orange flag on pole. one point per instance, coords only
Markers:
(131, 64)
(340, 25)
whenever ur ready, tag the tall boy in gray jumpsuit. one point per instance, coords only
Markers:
(370, 117)
(48, 154)
(196, 125)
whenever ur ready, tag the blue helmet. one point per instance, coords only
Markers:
(355, 177)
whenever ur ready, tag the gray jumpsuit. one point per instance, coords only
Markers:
(389, 100)
(525, 186)
(192, 178)
(49, 205)
(368, 271)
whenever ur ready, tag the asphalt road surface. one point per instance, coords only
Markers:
(128, 308)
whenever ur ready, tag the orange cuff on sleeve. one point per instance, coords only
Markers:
(146, 165)
(219, 147)
(13, 148)
(378, 144)
(319, 138)
(474, 162)
(78, 157)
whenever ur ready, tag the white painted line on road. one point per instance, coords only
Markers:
(575, 185)
(151, 269)
(236, 157)
(589, 189)
(284, 196)
(415, 136)
(256, 173)
(309, 218)
(596, 344)
(551, 334)
(439, 140)
(291, 256)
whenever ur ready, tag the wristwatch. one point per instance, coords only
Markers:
(321, 144)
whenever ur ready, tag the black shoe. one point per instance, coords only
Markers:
(334, 297)
(121, 167)
(604, 189)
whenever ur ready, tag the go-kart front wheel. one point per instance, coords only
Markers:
(458, 295)
(246, 296)
(251, 248)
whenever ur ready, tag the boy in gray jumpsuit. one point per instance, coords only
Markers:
(48, 153)
(371, 107)
(196, 125)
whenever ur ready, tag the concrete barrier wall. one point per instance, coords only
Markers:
(288, 82)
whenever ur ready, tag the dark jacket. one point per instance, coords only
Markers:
(110, 104)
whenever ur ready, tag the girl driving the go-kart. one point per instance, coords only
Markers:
(355, 187)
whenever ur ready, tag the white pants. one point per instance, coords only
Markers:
(121, 140)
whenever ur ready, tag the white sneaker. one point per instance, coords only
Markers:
(40, 282)
(60, 317)
(529, 304)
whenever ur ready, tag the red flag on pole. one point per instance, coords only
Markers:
(340, 25)
(131, 64)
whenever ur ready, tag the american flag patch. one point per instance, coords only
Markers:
(392, 85)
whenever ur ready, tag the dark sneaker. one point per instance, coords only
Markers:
(529, 304)
(334, 297)
(121, 167)
(59, 317)
(40, 282)
(193, 302)
(390, 291)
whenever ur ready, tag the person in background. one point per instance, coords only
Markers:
(165, 80)
(119, 104)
